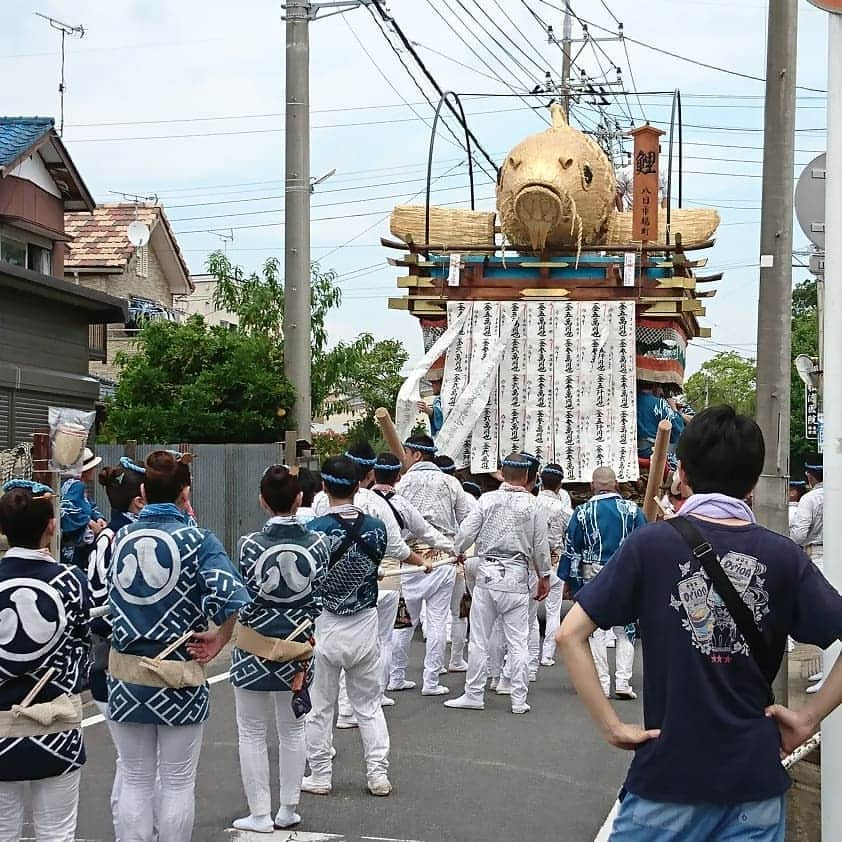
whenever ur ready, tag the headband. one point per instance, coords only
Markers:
(471, 484)
(798, 482)
(337, 480)
(531, 457)
(128, 465)
(556, 472)
(38, 489)
(367, 463)
(448, 469)
(424, 448)
(813, 467)
(382, 466)
(516, 463)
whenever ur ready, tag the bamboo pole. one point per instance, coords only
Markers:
(656, 470)
(393, 440)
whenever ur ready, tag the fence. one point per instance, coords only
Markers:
(225, 484)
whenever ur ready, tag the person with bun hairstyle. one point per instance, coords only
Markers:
(283, 566)
(44, 661)
(167, 579)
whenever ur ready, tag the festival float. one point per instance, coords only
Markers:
(540, 319)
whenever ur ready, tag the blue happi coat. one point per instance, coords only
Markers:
(651, 410)
(283, 567)
(76, 512)
(166, 578)
(44, 610)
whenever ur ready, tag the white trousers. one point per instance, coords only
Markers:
(255, 710)
(458, 625)
(534, 644)
(496, 648)
(55, 803)
(552, 607)
(623, 654)
(115, 787)
(435, 589)
(349, 643)
(512, 609)
(148, 752)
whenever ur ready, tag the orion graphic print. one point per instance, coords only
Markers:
(709, 623)
(167, 577)
(44, 610)
(283, 567)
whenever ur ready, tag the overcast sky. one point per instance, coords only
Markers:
(211, 73)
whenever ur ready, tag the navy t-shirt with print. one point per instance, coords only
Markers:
(700, 685)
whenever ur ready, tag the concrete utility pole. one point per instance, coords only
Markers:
(297, 333)
(567, 47)
(774, 356)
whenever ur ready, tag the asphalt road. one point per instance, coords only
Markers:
(457, 775)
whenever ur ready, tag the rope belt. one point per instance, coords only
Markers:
(271, 648)
(149, 672)
(61, 714)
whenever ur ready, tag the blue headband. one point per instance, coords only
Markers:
(798, 482)
(554, 471)
(531, 457)
(515, 463)
(338, 480)
(38, 489)
(813, 467)
(368, 463)
(471, 484)
(381, 466)
(424, 448)
(128, 465)
(448, 469)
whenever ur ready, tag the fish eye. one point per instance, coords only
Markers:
(587, 174)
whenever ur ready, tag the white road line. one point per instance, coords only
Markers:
(96, 719)
(282, 836)
(608, 826)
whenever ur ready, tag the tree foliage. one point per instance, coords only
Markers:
(190, 382)
(726, 378)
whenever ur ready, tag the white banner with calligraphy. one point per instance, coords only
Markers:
(512, 379)
(486, 335)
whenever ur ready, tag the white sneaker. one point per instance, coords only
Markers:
(465, 702)
(626, 694)
(521, 708)
(439, 690)
(379, 786)
(814, 688)
(504, 687)
(345, 723)
(493, 682)
(386, 702)
(547, 662)
(816, 676)
(254, 824)
(443, 671)
(533, 676)
(286, 817)
(458, 666)
(397, 686)
(314, 787)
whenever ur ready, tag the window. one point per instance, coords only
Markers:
(142, 262)
(13, 251)
(39, 259)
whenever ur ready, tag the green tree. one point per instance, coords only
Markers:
(194, 383)
(805, 340)
(726, 378)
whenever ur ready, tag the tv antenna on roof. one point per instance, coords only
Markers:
(226, 238)
(65, 29)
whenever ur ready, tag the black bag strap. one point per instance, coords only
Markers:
(705, 554)
(352, 536)
(395, 512)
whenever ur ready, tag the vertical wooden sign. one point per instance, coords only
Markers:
(646, 183)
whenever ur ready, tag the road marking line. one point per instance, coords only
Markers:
(608, 826)
(282, 836)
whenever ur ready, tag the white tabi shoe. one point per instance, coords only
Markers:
(254, 824)
(314, 787)
(533, 676)
(397, 686)
(465, 703)
(379, 786)
(345, 723)
(493, 682)
(287, 817)
(439, 690)
(443, 671)
(625, 695)
(504, 687)
(547, 662)
(386, 702)
(458, 666)
(521, 708)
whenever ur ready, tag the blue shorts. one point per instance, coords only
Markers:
(640, 820)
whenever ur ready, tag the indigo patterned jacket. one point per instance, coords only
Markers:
(166, 578)
(351, 582)
(44, 609)
(283, 567)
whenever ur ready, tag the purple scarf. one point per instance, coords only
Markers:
(718, 506)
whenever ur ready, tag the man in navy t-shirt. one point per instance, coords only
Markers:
(707, 761)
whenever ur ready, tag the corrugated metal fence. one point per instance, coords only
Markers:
(225, 484)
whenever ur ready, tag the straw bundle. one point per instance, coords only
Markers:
(694, 224)
(447, 225)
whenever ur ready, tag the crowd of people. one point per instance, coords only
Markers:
(322, 602)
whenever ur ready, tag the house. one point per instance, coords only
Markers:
(44, 320)
(200, 303)
(101, 257)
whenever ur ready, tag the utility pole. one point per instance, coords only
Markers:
(774, 363)
(297, 333)
(566, 48)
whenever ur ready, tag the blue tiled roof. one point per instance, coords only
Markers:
(17, 134)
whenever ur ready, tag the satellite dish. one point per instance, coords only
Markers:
(806, 368)
(138, 233)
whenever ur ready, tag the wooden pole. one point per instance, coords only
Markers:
(291, 451)
(393, 440)
(657, 462)
(41, 472)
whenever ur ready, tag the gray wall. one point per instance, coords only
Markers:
(226, 479)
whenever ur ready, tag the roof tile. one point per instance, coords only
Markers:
(18, 134)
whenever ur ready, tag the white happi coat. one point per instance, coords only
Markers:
(558, 509)
(807, 525)
(509, 531)
(439, 497)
